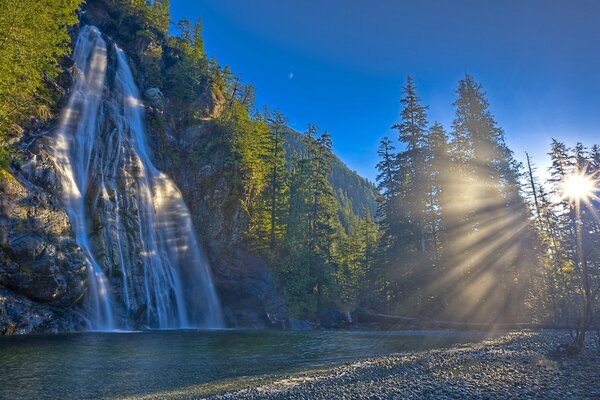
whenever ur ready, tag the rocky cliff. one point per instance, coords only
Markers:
(245, 285)
(42, 270)
(192, 153)
(43, 278)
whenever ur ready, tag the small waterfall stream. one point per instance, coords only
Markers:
(145, 268)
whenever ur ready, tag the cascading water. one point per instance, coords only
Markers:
(145, 267)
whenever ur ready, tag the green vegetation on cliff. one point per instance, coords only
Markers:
(301, 210)
(33, 39)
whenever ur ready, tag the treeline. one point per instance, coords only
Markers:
(456, 242)
(319, 249)
(350, 189)
(469, 234)
(567, 221)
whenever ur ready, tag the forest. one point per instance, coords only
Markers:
(164, 234)
(486, 239)
(460, 230)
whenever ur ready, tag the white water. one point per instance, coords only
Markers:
(145, 267)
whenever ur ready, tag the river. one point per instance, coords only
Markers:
(112, 365)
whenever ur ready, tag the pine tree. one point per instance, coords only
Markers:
(586, 231)
(277, 189)
(412, 132)
(312, 224)
(405, 236)
(437, 164)
(389, 221)
(491, 241)
(161, 15)
(561, 218)
(387, 184)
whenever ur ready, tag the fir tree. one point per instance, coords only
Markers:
(437, 164)
(487, 212)
(277, 188)
(412, 181)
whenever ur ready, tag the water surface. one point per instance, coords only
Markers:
(97, 365)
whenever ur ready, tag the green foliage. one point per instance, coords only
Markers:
(146, 18)
(250, 145)
(300, 282)
(355, 259)
(311, 224)
(319, 262)
(186, 73)
(151, 63)
(345, 183)
(275, 196)
(33, 38)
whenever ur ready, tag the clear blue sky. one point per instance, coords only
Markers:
(341, 64)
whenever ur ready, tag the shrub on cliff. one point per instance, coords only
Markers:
(33, 38)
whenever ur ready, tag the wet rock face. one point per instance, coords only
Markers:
(39, 258)
(20, 315)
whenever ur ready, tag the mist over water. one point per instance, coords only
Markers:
(145, 268)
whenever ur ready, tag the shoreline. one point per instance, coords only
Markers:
(515, 365)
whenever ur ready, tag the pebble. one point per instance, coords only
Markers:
(507, 367)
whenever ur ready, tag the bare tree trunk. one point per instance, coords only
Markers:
(586, 312)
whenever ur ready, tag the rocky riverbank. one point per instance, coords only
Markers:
(515, 365)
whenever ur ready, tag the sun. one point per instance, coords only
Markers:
(579, 186)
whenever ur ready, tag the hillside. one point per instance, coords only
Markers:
(349, 187)
(285, 239)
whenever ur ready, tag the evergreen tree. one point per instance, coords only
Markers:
(312, 225)
(387, 184)
(413, 172)
(487, 217)
(406, 180)
(276, 190)
(161, 15)
(437, 165)
(388, 217)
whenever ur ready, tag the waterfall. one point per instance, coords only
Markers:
(145, 268)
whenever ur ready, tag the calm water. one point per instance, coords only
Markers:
(92, 365)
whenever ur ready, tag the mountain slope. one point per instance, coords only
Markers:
(350, 188)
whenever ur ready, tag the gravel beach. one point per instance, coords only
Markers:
(517, 365)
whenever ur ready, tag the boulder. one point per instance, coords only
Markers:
(211, 103)
(20, 315)
(248, 293)
(154, 97)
